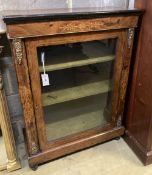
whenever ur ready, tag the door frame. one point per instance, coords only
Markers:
(31, 45)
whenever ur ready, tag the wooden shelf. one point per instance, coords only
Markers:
(77, 63)
(77, 92)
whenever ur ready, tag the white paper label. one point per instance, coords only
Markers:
(45, 79)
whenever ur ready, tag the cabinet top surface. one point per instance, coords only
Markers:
(20, 16)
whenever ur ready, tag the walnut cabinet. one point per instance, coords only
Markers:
(72, 69)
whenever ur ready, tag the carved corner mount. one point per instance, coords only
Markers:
(34, 148)
(130, 36)
(17, 44)
(119, 121)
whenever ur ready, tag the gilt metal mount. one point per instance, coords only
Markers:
(17, 43)
(119, 121)
(34, 148)
(130, 36)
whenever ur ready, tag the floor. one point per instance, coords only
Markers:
(111, 158)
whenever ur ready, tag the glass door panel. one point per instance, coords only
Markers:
(78, 96)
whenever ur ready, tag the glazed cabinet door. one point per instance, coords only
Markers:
(78, 84)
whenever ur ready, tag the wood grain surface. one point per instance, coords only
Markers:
(138, 118)
(73, 26)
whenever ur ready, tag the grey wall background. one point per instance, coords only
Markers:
(6, 64)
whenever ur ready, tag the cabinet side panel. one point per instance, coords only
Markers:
(128, 33)
(36, 90)
(25, 94)
(117, 78)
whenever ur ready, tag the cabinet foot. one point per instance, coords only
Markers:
(34, 167)
(117, 138)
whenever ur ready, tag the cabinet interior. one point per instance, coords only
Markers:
(81, 82)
